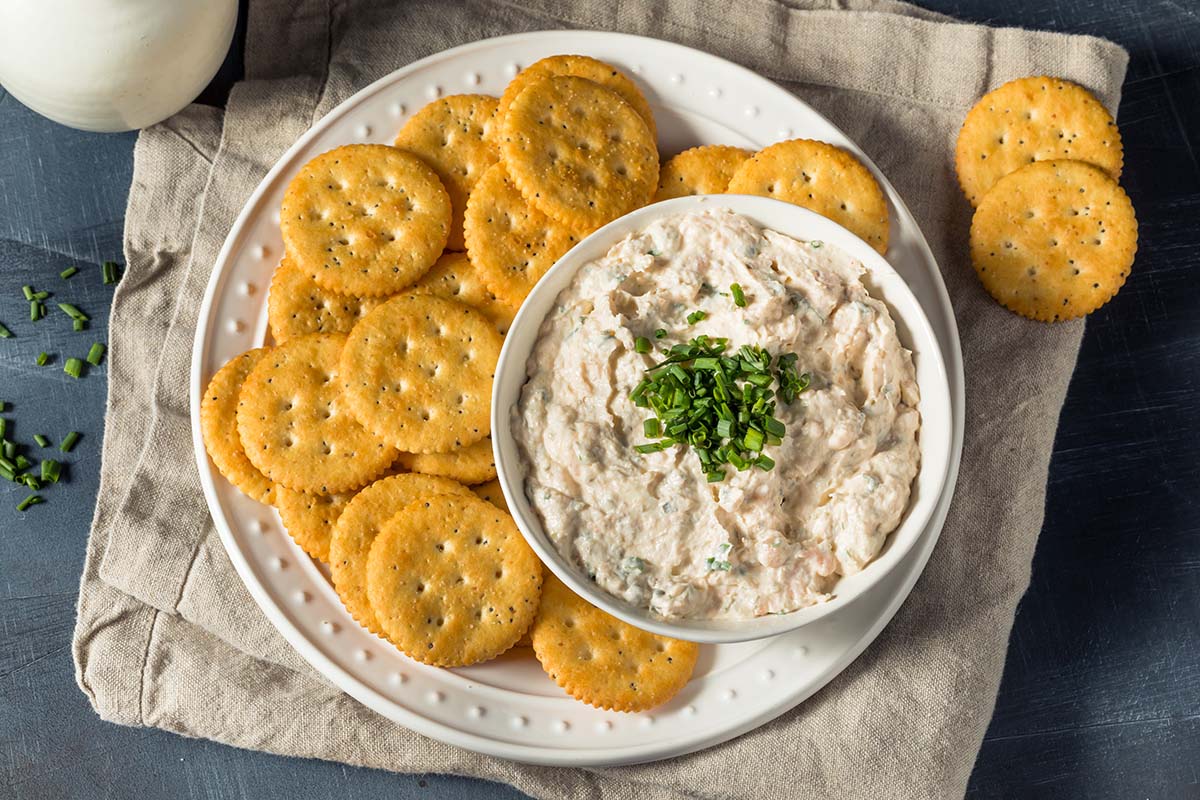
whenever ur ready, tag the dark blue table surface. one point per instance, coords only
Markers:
(1101, 691)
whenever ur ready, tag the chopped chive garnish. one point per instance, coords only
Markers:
(660, 333)
(43, 359)
(641, 344)
(40, 295)
(8, 464)
(42, 441)
(32, 500)
(739, 297)
(78, 325)
(5, 333)
(22, 462)
(31, 482)
(35, 312)
(3, 423)
(9, 449)
(51, 470)
(73, 312)
(7, 473)
(765, 463)
(68, 272)
(73, 367)
(652, 428)
(27, 291)
(95, 354)
(695, 317)
(69, 441)
(109, 271)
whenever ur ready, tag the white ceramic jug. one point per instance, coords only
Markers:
(111, 65)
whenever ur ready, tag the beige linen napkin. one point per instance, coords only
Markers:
(168, 636)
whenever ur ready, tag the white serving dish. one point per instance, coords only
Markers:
(509, 708)
(883, 282)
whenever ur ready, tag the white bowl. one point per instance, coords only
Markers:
(883, 283)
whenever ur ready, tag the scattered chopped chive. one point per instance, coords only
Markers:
(42, 441)
(695, 317)
(715, 476)
(69, 441)
(660, 333)
(22, 462)
(68, 272)
(8, 464)
(739, 297)
(32, 500)
(73, 367)
(40, 295)
(753, 440)
(109, 271)
(765, 463)
(654, 447)
(43, 359)
(27, 291)
(73, 312)
(9, 449)
(3, 423)
(51, 470)
(78, 325)
(35, 310)
(641, 344)
(7, 474)
(5, 333)
(95, 354)
(652, 428)
(31, 482)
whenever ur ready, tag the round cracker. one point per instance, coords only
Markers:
(822, 178)
(593, 69)
(578, 152)
(602, 661)
(297, 305)
(452, 581)
(1033, 119)
(454, 277)
(365, 219)
(295, 426)
(700, 170)
(470, 465)
(417, 372)
(359, 524)
(510, 242)
(1054, 240)
(218, 426)
(492, 492)
(309, 518)
(451, 134)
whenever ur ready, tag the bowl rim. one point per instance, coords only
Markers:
(803, 224)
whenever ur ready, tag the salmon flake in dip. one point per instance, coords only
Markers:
(650, 528)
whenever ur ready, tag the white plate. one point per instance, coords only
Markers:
(509, 708)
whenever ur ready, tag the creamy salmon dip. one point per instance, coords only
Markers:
(651, 528)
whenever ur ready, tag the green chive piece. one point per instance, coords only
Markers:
(5, 333)
(69, 441)
(73, 312)
(78, 325)
(109, 269)
(35, 310)
(3, 423)
(27, 291)
(8, 464)
(73, 367)
(641, 344)
(68, 272)
(31, 482)
(655, 447)
(753, 440)
(42, 441)
(765, 463)
(7, 473)
(95, 354)
(660, 333)
(9, 449)
(652, 428)
(40, 295)
(739, 297)
(715, 477)
(43, 359)
(51, 470)
(22, 462)
(32, 500)
(695, 316)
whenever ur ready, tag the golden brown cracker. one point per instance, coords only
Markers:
(297, 429)
(492, 492)
(1033, 119)
(602, 661)
(470, 465)
(510, 242)
(417, 372)
(297, 305)
(822, 178)
(578, 152)
(593, 69)
(454, 277)
(309, 518)
(365, 219)
(359, 524)
(218, 426)
(452, 582)
(451, 135)
(700, 170)
(1054, 240)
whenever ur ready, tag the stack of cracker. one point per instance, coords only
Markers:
(1054, 235)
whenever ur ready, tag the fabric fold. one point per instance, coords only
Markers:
(168, 636)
